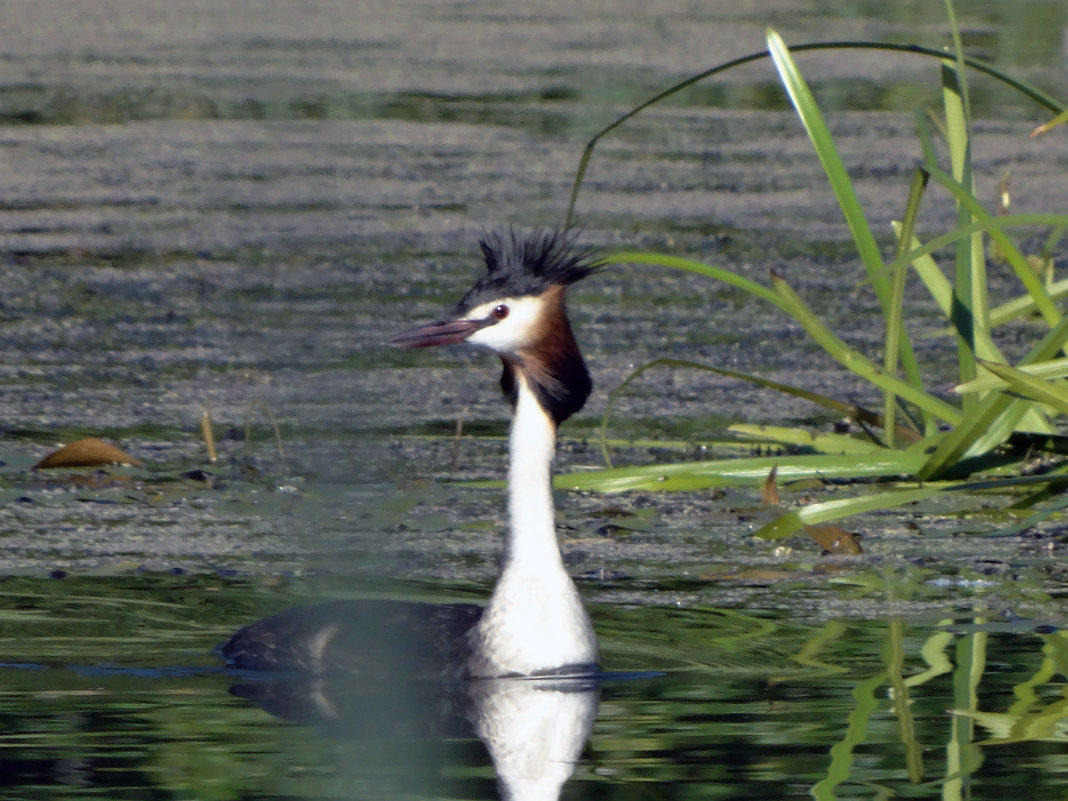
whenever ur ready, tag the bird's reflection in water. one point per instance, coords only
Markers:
(534, 728)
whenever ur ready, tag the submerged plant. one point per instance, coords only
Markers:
(923, 444)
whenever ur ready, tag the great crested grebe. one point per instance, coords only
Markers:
(535, 622)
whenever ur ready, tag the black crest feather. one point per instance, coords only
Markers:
(528, 265)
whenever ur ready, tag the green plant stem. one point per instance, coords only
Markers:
(894, 325)
(857, 362)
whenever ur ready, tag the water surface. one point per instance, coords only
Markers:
(111, 690)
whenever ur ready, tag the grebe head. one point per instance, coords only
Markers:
(517, 311)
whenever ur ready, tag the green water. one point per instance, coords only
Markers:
(109, 690)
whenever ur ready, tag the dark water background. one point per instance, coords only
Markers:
(227, 207)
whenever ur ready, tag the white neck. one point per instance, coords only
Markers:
(531, 544)
(535, 620)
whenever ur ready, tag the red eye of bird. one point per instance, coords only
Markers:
(500, 312)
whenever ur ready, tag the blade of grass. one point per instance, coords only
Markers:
(795, 520)
(801, 438)
(1029, 386)
(1054, 489)
(1040, 295)
(894, 327)
(857, 362)
(812, 119)
(991, 424)
(851, 410)
(942, 293)
(1045, 127)
(805, 105)
(747, 471)
(813, 514)
(994, 418)
(1054, 368)
(1025, 304)
(958, 54)
(691, 266)
(1032, 283)
(958, 138)
(1031, 92)
(968, 314)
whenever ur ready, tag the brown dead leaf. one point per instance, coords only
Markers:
(834, 540)
(770, 493)
(89, 452)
